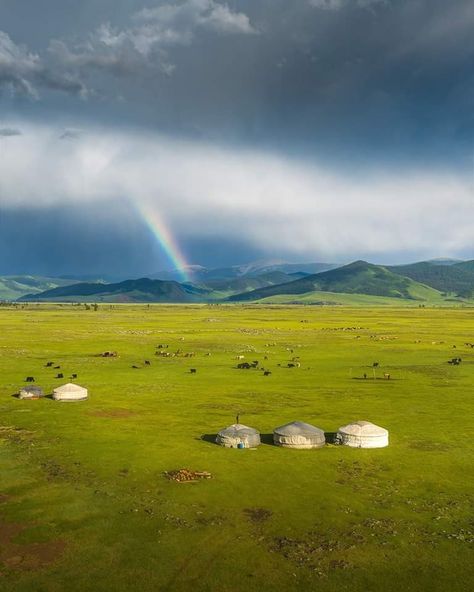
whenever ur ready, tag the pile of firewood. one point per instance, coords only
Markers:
(186, 475)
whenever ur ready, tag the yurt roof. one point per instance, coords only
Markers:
(238, 429)
(37, 390)
(363, 428)
(69, 388)
(298, 428)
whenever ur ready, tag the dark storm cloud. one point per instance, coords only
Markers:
(324, 74)
(8, 132)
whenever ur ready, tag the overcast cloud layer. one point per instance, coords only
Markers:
(312, 129)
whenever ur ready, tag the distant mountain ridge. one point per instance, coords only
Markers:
(427, 281)
(358, 277)
(141, 290)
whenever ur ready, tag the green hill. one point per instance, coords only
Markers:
(13, 287)
(359, 277)
(141, 290)
(246, 283)
(455, 279)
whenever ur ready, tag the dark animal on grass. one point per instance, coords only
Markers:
(57, 367)
(30, 379)
(244, 366)
(267, 373)
(365, 375)
(193, 370)
(386, 376)
(290, 365)
(135, 367)
(147, 363)
(254, 364)
(73, 375)
(375, 365)
(60, 375)
(49, 364)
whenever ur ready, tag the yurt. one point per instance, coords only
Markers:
(70, 392)
(238, 436)
(31, 392)
(363, 434)
(298, 434)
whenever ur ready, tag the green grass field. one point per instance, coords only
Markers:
(84, 504)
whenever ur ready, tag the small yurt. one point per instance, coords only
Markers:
(31, 392)
(298, 434)
(238, 436)
(363, 434)
(70, 392)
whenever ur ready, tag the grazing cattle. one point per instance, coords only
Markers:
(240, 357)
(455, 361)
(290, 365)
(135, 367)
(60, 375)
(193, 370)
(73, 375)
(267, 373)
(109, 354)
(375, 365)
(57, 367)
(365, 375)
(49, 364)
(386, 376)
(161, 346)
(30, 379)
(147, 363)
(243, 366)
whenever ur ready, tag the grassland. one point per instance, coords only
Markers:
(84, 505)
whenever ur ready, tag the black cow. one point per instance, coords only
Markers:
(57, 367)
(267, 373)
(135, 367)
(30, 379)
(193, 370)
(73, 375)
(60, 375)
(147, 363)
(49, 364)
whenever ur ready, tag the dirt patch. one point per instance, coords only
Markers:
(15, 434)
(113, 413)
(258, 515)
(186, 475)
(26, 556)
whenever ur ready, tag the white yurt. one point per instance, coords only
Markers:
(238, 436)
(298, 434)
(30, 392)
(363, 434)
(70, 392)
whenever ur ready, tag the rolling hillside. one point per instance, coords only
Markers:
(455, 278)
(359, 277)
(225, 288)
(141, 290)
(13, 287)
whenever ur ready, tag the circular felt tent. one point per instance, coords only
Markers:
(363, 434)
(298, 434)
(30, 392)
(70, 392)
(238, 436)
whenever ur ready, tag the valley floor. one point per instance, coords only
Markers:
(85, 505)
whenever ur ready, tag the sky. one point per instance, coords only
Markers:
(138, 135)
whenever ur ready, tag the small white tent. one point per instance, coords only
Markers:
(298, 434)
(238, 436)
(70, 392)
(363, 434)
(31, 392)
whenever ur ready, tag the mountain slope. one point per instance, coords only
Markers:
(142, 290)
(359, 277)
(456, 279)
(15, 286)
(199, 274)
(247, 283)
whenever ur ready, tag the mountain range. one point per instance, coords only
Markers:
(435, 281)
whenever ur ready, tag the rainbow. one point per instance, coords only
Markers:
(166, 240)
